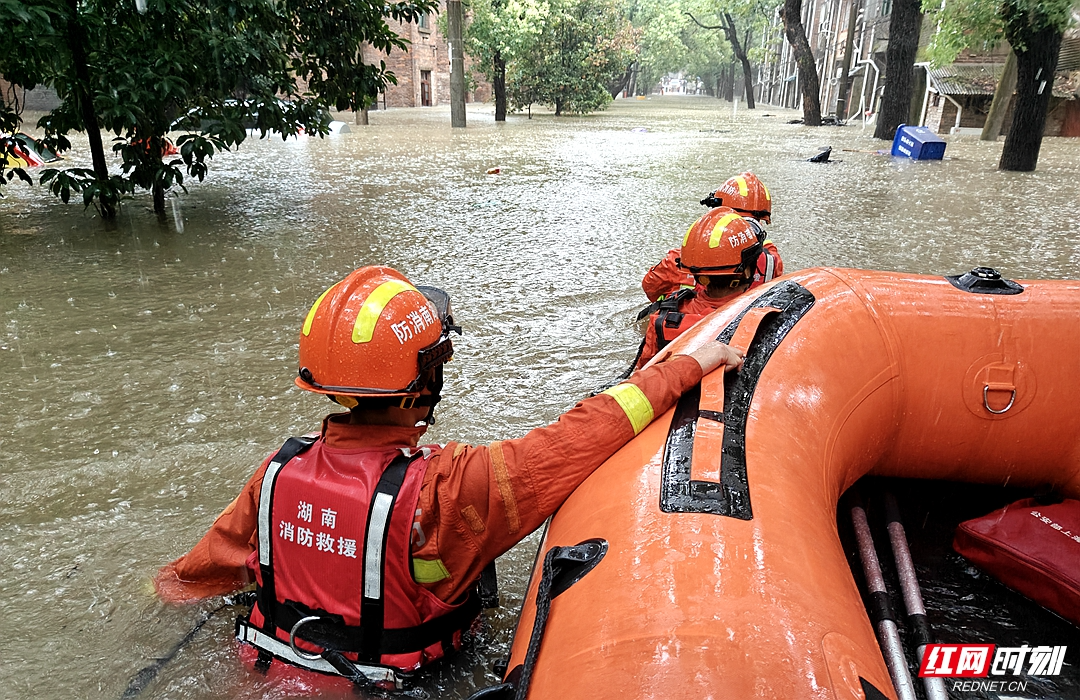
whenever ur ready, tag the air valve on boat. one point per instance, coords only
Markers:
(984, 280)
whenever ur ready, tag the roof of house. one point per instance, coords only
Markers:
(1069, 58)
(966, 78)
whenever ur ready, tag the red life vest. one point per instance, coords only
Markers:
(668, 322)
(769, 266)
(334, 585)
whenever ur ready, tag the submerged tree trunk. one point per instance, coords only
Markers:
(1034, 82)
(740, 53)
(616, 87)
(739, 49)
(159, 198)
(80, 89)
(995, 118)
(905, 26)
(155, 147)
(498, 86)
(729, 83)
(804, 59)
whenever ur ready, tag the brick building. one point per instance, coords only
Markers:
(423, 72)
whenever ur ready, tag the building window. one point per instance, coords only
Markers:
(424, 23)
(886, 7)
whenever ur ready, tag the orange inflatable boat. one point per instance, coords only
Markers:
(702, 560)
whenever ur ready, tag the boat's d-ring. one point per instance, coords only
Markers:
(986, 403)
(303, 621)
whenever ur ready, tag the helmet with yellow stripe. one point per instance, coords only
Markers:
(722, 243)
(374, 335)
(745, 194)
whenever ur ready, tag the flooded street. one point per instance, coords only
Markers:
(146, 369)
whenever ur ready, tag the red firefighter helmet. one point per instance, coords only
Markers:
(744, 193)
(374, 334)
(722, 242)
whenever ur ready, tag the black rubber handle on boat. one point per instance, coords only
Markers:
(881, 608)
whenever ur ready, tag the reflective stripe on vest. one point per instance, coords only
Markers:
(282, 650)
(373, 546)
(291, 448)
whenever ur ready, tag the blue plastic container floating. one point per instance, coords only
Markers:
(917, 143)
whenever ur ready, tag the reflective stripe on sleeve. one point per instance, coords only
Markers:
(426, 571)
(634, 404)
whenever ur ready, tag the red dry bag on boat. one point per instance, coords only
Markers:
(1033, 549)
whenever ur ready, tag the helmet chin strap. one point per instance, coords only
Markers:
(435, 385)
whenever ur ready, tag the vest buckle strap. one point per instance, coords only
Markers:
(385, 676)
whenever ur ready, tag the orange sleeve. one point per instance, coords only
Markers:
(665, 277)
(477, 502)
(218, 563)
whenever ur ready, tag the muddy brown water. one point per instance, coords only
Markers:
(146, 368)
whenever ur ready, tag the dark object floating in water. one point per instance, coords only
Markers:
(795, 121)
(822, 157)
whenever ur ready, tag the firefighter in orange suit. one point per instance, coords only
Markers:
(719, 252)
(365, 548)
(745, 194)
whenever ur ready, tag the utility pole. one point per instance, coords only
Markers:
(845, 81)
(457, 64)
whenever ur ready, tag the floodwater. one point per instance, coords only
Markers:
(146, 368)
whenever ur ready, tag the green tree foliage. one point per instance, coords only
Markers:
(585, 45)
(672, 43)
(498, 33)
(563, 53)
(961, 24)
(139, 69)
